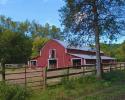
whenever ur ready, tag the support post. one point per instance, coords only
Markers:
(121, 66)
(25, 78)
(44, 77)
(68, 73)
(124, 66)
(116, 65)
(3, 72)
(110, 67)
(83, 70)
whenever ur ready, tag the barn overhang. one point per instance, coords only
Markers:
(92, 57)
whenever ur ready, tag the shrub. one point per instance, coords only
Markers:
(115, 76)
(68, 84)
(13, 92)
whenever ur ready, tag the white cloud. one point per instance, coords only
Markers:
(3, 2)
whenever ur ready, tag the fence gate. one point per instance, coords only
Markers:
(24, 76)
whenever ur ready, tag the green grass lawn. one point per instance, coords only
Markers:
(112, 87)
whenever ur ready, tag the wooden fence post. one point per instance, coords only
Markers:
(120, 65)
(110, 66)
(102, 69)
(116, 66)
(83, 70)
(124, 66)
(45, 77)
(25, 78)
(95, 69)
(3, 73)
(68, 73)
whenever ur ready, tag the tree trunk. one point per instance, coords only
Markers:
(97, 42)
(98, 58)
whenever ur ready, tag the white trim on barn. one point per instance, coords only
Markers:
(50, 51)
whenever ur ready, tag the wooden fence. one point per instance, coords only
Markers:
(42, 77)
(29, 78)
(54, 74)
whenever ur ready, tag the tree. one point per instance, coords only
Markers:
(39, 34)
(55, 33)
(14, 47)
(91, 19)
(120, 52)
(38, 43)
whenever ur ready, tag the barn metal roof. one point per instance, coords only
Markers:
(66, 45)
(92, 56)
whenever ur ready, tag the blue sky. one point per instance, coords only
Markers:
(40, 10)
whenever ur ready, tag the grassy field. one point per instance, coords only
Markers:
(112, 87)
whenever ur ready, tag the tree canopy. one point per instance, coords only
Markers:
(77, 17)
(114, 50)
(89, 20)
(21, 40)
(14, 47)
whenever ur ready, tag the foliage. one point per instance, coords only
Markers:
(37, 33)
(80, 16)
(72, 89)
(38, 43)
(114, 50)
(13, 92)
(115, 76)
(89, 20)
(14, 47)
(86, 88)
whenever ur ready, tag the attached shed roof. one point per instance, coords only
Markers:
(68, 46)
(92, 56)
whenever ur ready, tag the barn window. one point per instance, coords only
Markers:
(52, 63)
(33, 63)
(53, 53)
(90, 61)
(76, 62)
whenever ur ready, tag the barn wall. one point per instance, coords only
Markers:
(60, 54)
(74, 51)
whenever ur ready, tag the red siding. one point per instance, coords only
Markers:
(63, 58)
(74, 51)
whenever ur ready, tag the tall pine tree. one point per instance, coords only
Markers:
(91, 20)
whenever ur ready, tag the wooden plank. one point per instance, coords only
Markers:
(35, 81)
(64, 75)
(23, 72)
(15, 79)
(70, 67)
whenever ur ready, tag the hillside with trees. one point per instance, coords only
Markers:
(114, 50)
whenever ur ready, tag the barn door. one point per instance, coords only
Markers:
(52, 63)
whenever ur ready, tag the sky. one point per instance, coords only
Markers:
(42, 11)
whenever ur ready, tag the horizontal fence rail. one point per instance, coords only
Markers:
(30, 78)
(41, 77)
(83, 69)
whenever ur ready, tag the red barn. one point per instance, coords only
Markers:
(56, 54)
